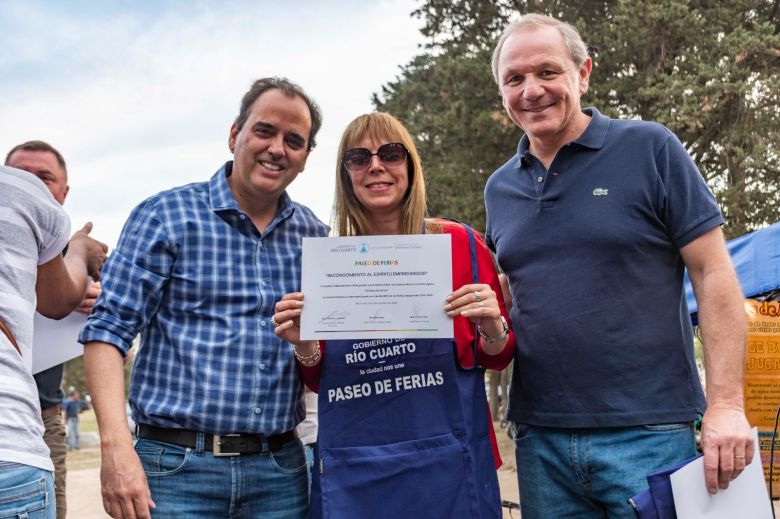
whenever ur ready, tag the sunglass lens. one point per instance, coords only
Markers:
(357, 159)
(392, 154)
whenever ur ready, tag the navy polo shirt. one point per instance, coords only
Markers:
(591, 249)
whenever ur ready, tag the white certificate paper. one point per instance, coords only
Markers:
(376, 287)
(746, 496)
(55, 342)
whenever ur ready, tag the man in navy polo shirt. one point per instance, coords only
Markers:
(593, 221)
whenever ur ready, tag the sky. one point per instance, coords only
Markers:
(139, 96)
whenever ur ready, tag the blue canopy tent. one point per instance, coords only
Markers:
(756, 257)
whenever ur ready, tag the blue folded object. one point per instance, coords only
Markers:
(657, 502)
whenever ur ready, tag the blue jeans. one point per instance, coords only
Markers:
(591, 473)
(73, 433)
(309, 451)
(26, 492)
(188, 483)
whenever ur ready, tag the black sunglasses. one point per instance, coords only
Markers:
(358, 159)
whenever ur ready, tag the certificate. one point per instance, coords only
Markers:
(55, 342)
(376, 287)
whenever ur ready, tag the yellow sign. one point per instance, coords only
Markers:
(762, 378)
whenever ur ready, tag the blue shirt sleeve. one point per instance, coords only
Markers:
(133, 280)
(688, 207)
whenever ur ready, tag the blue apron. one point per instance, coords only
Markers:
(403, 433)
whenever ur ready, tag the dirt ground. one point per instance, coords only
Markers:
(83, 491)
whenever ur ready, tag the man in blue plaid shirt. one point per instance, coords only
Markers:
(196, 272)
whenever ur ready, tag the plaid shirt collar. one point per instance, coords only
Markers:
(221, 197)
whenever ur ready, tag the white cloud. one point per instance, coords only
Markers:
(142, 100)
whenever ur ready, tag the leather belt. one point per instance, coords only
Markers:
(220, 445)
(55, 409)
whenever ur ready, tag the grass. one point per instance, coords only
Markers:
(88, 457)
(87, 421)
(84, 458)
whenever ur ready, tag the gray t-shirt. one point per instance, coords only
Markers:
(33, 230)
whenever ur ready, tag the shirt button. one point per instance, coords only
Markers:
(262, 322)
(243, 217)
(258, 410)
(264, 283)
(540, 179)
(261, 366)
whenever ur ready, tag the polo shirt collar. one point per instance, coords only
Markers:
(596, 133)
(221, 197)
(593, 137)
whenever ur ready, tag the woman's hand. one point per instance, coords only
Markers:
(478, 303)
(287, 322)
(287, 319)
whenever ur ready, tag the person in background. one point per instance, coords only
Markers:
(47, 163)
(34, 230)
(196, 272)
(430, 448)
(593, 221)
(71, 409)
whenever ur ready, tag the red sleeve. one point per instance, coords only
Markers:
(311, 374)
(461, 275)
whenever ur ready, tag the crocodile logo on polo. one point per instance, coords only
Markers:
(600, 191)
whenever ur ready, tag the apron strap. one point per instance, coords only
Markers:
(474, 280)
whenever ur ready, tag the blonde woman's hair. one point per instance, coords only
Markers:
(349, 215)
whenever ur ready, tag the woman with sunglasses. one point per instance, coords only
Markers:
(421, 445)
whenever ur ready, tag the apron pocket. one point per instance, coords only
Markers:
(430, 477)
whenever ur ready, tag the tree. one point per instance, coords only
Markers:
(462, 132)
(710, 71)
(73, 374)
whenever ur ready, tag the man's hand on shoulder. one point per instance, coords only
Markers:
(123, 482)
(727, 442)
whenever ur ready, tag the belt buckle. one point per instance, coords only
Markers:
(217, 447)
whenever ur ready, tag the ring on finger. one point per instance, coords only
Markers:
(739, 457)
(273, 321)
(477, 297)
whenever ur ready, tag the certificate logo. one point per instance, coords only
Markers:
(363, 248)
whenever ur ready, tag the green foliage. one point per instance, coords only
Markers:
(710, 71)
(73, 374)
(462, 131)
